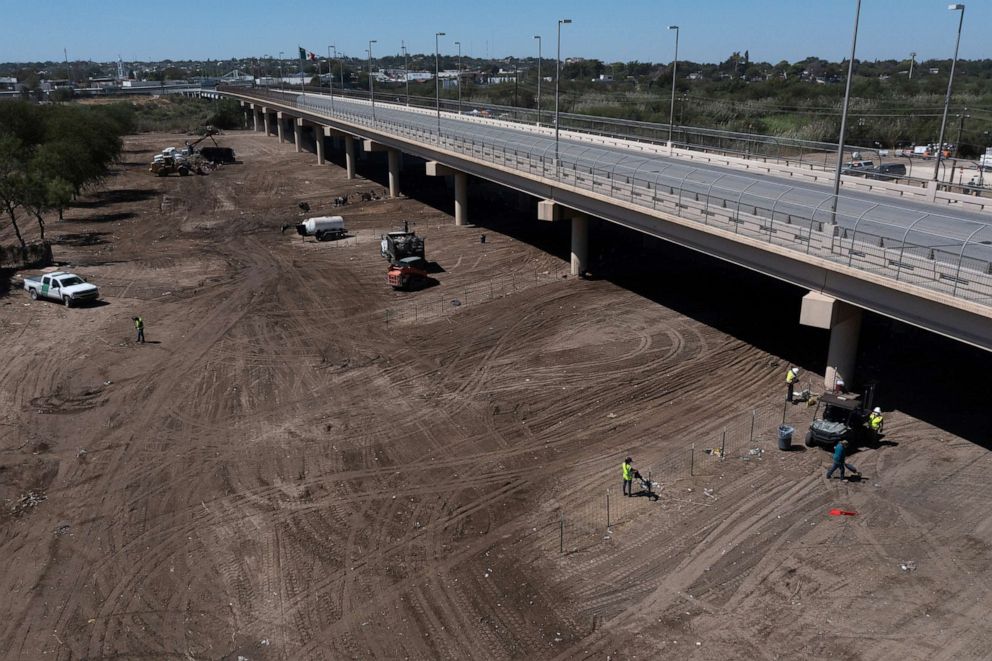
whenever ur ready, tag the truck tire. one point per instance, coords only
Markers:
(183, 172)
(34, 294)
(67, 300)
(809, 439)
(319, 235)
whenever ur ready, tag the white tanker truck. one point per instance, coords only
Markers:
(323, 228)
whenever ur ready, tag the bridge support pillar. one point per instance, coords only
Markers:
(435, 169)
(461, 198)
(394, 172)
(265, 121)
(844, 323)
(580, 243)
(349, 156)
(318, 137)
(298, 134)
(280, 129)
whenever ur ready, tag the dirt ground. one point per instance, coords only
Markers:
(301, 463)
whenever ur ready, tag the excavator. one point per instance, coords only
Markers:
(190, 159)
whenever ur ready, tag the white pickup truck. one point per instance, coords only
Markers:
(65, 287)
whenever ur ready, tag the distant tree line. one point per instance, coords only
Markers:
(50, 153)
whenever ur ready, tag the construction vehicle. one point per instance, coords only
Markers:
(215, 154)
(324, 228)
(844, 418)
(408, 273)
(171, 161)
(397, 245)
(190, 159)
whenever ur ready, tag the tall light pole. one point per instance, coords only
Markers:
(437, 79)
(341, 67)
(947, 97)
(843, 116)
(675, 64)
(330, 73)
(406, 70)
(459, 44)
(912, 63)
(562, 21)
(280, 67)
(371, 79)
(538, 37)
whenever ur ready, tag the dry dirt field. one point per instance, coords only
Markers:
(304, 464)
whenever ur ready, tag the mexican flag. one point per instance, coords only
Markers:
(307, 55)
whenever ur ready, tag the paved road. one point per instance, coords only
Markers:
(933, 226)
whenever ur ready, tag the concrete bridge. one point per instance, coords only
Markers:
(918, 255)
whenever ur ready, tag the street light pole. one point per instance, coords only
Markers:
(280, 68)
(459, 44)
(947, 97)
(912, 63)
(675, 64)
(538, 37)
(562, 21)
(330, 74)
(371, 84)
(437, 79)
(406, 70)
(843, 117)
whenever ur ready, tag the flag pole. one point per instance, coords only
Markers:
(303, 90)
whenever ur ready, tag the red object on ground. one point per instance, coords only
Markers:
(840, 512)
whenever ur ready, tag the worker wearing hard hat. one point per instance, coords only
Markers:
(628, 476)
(875, 421)
(790, 381)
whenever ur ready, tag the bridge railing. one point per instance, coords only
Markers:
(942, 253)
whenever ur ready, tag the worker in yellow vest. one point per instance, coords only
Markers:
(628, 476)
(790, 381)
(139, 327)
(875, 421)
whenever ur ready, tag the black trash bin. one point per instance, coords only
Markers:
(785, 437)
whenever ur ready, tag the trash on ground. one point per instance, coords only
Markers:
(839, 512)
(909, 565)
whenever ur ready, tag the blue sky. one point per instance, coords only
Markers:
(622, 30)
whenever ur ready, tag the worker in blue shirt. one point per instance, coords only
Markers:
(840, 454)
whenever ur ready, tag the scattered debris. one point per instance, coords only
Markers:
(839, 512)
(716, 452)
(611, 415)
(909, 565)
(755, 452)
(27, 501)
(62, 529)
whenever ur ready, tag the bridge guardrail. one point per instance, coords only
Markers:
(842, 230)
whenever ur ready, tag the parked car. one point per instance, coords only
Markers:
(858, 168)
(887, 171)
(67, 288)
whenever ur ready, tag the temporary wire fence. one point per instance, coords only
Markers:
(733, 446)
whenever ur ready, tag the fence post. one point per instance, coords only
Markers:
(561, 531)
(607, 510)
(692, 458)
(723, 444)
(751, 435)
